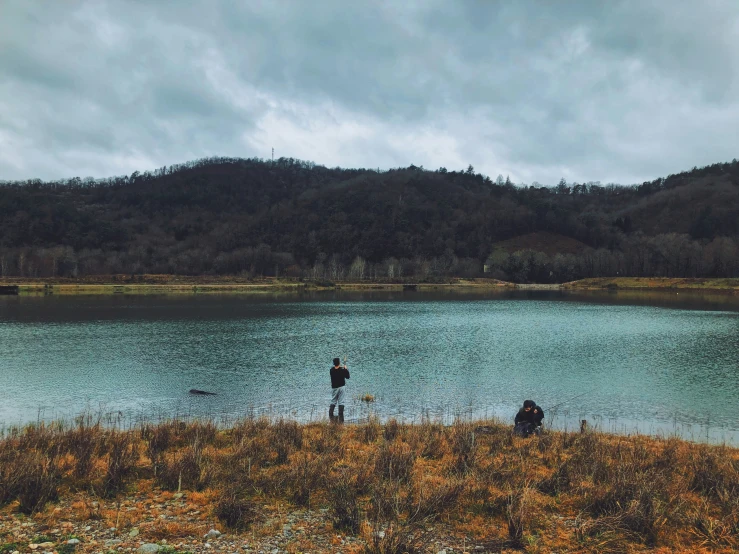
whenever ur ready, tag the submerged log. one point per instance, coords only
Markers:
(202, 392)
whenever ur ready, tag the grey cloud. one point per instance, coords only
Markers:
(620, 90)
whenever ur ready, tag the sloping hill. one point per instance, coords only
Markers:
(233, 216)
(542, 241)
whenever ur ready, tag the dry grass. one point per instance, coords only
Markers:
(235, 511)
(392, 483)
(654, 283)
(223, 284)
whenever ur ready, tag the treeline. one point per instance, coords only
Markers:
(297, 219)
(63, 261)
(666, 255)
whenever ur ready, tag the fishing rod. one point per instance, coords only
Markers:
(570, 400)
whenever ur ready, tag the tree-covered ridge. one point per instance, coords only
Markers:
(296, 218)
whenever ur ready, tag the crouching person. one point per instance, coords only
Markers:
(528, 419)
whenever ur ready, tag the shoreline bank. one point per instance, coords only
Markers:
(143, 285)
(725, 285)
(158, 284)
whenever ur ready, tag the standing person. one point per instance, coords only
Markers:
(339, 375)
(528, 419)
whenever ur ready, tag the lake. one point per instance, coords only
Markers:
(658, 363)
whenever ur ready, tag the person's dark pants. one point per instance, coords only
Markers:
(526, 429)
(331, 415)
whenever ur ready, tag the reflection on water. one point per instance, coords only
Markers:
(645, 361)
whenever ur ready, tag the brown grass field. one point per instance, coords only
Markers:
(183, 284)
(173, 284)
(281, 486)
(655, 283)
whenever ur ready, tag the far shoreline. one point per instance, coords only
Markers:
(176, 284)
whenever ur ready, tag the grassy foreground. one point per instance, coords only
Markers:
(281, 486)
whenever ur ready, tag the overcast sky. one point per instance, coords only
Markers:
(535, 89)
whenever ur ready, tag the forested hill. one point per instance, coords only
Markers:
(293, 218)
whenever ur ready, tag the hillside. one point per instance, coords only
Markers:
(297, 219)
(550, 244)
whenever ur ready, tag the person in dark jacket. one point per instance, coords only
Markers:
(528, 419)
(339, 375)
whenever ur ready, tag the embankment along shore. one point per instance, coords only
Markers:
(171, 284)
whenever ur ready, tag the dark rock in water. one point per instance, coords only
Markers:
(196, 391)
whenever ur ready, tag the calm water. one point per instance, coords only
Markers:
(651, 363)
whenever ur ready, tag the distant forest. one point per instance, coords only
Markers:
(290, 218)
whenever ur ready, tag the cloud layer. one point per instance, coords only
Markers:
(613, 91)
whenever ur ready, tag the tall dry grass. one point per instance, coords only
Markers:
(392, 483)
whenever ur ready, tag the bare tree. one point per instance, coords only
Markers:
(357, 269)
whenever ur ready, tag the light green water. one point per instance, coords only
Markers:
(652, 365)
